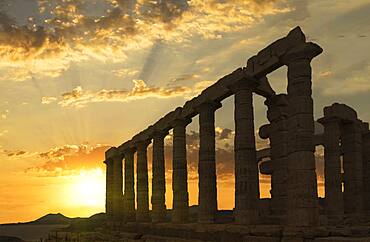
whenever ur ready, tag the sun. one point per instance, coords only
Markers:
(87, 189)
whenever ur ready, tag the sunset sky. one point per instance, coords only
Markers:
(79, 76)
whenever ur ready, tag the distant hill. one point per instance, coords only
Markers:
(52, 218)
(58, 218)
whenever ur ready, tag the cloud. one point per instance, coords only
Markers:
(3, 132)
(350, 81)
(125, 72)
(72, 31)
(48, 100)
(4, 115)
(68, 159)
(79, 97)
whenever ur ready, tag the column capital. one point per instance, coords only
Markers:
(306, 50)
(180, 122)
(327, 120)
(247, 83)
(208, 105)
(113, 153)
(142, 144)
(159, 133)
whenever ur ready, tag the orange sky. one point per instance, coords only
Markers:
(77, 77)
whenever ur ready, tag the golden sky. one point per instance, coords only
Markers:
(79, 76)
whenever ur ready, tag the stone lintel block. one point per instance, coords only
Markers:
(217, 92)
(341, 111)
(208, 105)
(112, 152)
(163, 123)
(264, 88)
(306, 51)
(159, 133)
(268, 59)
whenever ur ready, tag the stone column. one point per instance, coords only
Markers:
(129, 195)
(277, 114)
(142, 193)
(352, 164)
(158, 180)
(207, 165)
(109, 190)
(332, 169)
(118, 209)
(302, 203)
(366, 165)
(246, 166)
(180, 208)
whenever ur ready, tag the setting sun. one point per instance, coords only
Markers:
(87, 189)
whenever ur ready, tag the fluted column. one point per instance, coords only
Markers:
(117, 187)
(366, 165)
(246, 166)
(332, 169)
(180, 208)
(109, 190)
(158, 180)
(207, 164)
(129, 194)
(302, 184)
(277, 114)
(142, 192)
(352, 164)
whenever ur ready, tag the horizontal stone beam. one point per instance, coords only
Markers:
(258, 66)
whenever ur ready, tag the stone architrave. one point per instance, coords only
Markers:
(246, 167)
(207, 198)
(302, 202)
(129, 194)
(180, 208)
(277, 114)
(142, 191)
(332, 168)
(158, 180)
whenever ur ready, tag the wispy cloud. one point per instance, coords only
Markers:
(69, 33)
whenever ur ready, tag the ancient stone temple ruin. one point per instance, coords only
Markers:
(294, 212)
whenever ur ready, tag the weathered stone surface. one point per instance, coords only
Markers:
(109, 189)
(180, 173)
(302, 201)
(116, 183)
(278, 134)
(332, 168)
(246, 170)
(142, 190)
(207, 199)
(129, 194)
(159, 180)
(353, 170)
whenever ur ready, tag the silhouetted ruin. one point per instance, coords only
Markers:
(294, 212)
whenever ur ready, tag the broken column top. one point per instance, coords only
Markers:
(340, 111)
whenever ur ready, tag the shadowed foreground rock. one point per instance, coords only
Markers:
(293, 213)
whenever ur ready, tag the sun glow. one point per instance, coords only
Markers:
(87, 189)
